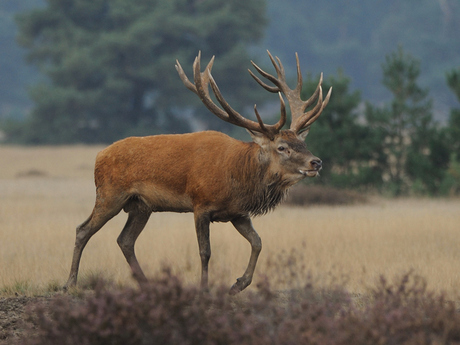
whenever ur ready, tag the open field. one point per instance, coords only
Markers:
(46, 192)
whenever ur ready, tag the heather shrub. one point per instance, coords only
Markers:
(167, 312)
(161, 312)
(404, 312)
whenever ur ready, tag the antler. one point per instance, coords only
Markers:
(228, 114)
(300, 120)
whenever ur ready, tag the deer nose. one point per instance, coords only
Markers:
(316, 164)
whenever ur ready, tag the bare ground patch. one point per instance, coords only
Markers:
(12, 316)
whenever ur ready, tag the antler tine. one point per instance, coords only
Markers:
(299, 75)
(184, 78)
(298, 106)
(282, 120)
(235, 118)
(228, 114)
(278, 66)
(196, 63)
(279, 81)
(269, 88)
(323, 105)
(201, 85)
(313, 97)
(308, 118)
(301, 121)
(259, 119)
(267, 76)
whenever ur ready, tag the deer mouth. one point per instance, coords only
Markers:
(309, 173)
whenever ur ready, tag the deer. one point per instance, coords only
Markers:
(218, 178)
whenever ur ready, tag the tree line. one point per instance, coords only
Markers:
(358, 35)
(396, 148)
(326, 35)
(110, 64)
(109, 74)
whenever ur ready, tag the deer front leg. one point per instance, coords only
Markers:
(202, 232)
(245, 228)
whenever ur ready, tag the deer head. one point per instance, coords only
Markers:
(285, 150)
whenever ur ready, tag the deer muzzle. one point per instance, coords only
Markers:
(315, 166)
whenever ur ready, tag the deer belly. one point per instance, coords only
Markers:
(161, 199)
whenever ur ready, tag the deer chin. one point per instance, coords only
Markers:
(309, 173)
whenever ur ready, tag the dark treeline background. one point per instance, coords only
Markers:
(95, 71)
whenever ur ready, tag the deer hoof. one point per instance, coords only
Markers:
(234, 290)
(239, 286)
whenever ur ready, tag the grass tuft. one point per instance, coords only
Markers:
(17, 288)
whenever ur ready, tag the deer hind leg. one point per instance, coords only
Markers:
(134, 226)
(103, 211)
(202, 232)
(245, 228)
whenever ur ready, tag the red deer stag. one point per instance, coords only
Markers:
(216, 177)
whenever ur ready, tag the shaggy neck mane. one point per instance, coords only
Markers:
(259, 189)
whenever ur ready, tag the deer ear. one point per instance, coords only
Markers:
(259, 138)
(302, 135)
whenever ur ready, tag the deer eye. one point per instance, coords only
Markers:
(281, 148)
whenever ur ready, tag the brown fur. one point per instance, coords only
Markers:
(179, 173)
(208, 173)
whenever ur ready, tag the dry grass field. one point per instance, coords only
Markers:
(46, 192)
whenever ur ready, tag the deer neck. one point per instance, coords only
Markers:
(261, 188)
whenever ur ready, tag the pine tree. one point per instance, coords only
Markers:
(453, 134)
(405, 125)
(344, 144)
(453, 80)
(110, 63)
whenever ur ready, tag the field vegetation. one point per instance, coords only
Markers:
(371, 271)
(46, 192)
